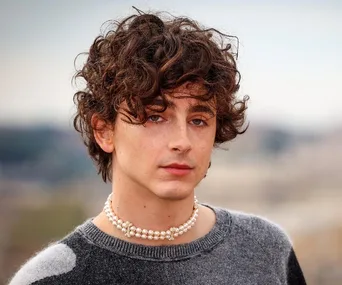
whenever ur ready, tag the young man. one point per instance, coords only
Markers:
(159, 95)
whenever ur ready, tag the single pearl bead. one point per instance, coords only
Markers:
(119, 227)
(120, 222)
(150, 232)
(139, 230)
(156, 238)
(143, 236)
(138, 235)
(144, 231)
(150, 237)
(162, 233)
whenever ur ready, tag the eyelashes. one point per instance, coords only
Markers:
(198, 122)
(155, 118)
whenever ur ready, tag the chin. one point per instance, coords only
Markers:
(174, 193)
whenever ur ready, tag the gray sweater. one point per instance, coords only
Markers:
(240, 249)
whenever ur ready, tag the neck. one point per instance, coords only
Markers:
(203, 225)
(147, 211)
(130, 230)
(151, 213)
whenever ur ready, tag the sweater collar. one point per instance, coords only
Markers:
(216, 235)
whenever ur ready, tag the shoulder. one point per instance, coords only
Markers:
(260, 241)
(54, 260)
(260, 227)
(259, 230)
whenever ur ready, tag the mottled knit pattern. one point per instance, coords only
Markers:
(241, 249)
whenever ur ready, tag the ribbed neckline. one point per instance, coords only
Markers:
(163, 253)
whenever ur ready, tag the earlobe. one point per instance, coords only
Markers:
(103, 133)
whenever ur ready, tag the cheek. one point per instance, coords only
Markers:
(205, 142)
(154, 138)
(205, 153)
(147, 145)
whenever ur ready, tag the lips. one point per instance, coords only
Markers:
(178, 169)
(179, 166)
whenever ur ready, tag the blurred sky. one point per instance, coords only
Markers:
(290, 55)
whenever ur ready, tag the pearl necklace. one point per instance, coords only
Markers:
(131, 231)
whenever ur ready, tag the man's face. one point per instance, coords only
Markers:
(168, 155)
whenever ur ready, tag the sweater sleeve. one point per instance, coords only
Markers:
(55, 260)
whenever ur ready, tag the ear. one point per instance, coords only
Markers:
(103, 133)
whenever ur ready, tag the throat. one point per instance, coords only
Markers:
(133, 230)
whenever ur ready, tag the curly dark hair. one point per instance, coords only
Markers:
(141, 57)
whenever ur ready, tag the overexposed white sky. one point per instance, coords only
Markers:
(290, 55)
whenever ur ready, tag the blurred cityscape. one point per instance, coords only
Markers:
(48, 185)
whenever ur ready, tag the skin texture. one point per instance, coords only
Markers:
(145, 192)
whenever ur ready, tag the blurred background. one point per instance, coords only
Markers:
(287, 167)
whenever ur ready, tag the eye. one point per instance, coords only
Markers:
(198, 122)
(155, 118)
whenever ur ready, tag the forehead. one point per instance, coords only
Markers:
(192, 96)
(187, 89)
(191, 93)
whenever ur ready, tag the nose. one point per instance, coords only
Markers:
(179, 139)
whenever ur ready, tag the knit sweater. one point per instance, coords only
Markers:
(240, 249)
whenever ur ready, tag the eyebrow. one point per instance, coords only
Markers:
(198, 108)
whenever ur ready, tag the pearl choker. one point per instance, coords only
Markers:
(131, 231)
